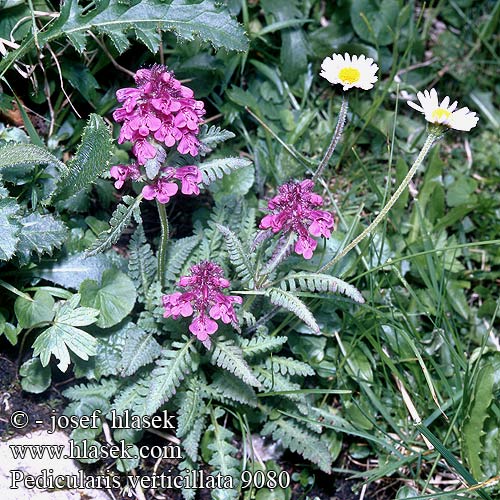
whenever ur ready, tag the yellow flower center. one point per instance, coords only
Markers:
(349, 75)
(439, 113)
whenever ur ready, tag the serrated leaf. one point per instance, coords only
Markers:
(229, 356)
(41, 234)
(142, 264)
(178, 254)
(173, 365)
(9, 228)
(238, 256)
(260, 345)
(118, 223)
(202, 20)
(317, 282)
(16, 155)
(215, 169)
(90, 161)
(114, 297)
(301, 441)
(224, 457)
(288, 366)
(210, 137)
(290, 302)
(225, 387)
(105, 388)
(140, 349)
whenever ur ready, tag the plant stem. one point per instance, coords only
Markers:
(431, 138)
(162, 253)
(335, 139)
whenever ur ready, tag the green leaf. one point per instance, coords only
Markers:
(72, 270)
(29, 155)
(375, 21)
(300, 440)
(229, 356)
(114, 297)
(227, 388)
(173, 365)
(202, 20)
(63, 337)
(142, 264)
(236, 183)
(240, 257)
(317, 282)
(288, 301)
(177, 255)
(261, 345)
(119, 221)
(9, 228)
(288, 366)
(40, 233)
(215, 169)
(90, 161)
(140, 349)
(224, 456)
(211, 137)
(30, 313)
(35, 378)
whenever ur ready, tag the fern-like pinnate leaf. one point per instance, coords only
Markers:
(140, 349)
(229, 356)
(191, 419)
(171, 368)
(215, 169)
(227, 388)
(134, 395)
(300, 440)
(210, 137)
(178, 253)
(288, 366)
(260, 344)
(224, 456)
(119, 221)
(204, 20)
(142, 264)
(239, 256)
(284, 299)
(317, 282)
(275, 382)
(90, 161)
(105, 388)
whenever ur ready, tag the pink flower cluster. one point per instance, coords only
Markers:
(163, 187)
(295, 210)
(160, 109)
(203, 298)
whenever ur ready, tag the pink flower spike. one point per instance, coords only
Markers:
(124, 172)
(160, 108)
(203, 298)
(162, 190)
(294, 210)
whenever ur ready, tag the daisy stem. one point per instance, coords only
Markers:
(335, 139)
(404, 184)
(162, 253)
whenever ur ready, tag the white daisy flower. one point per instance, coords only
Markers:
(350, 72)
(444, 113)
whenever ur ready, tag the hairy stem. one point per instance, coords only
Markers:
(335, 139)
(404, 184)
(162, 253)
